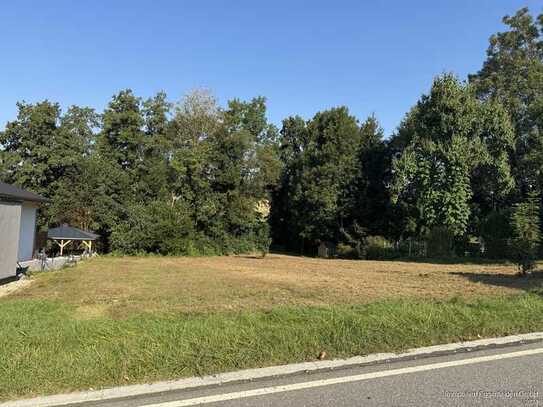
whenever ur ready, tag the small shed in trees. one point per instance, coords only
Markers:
(327, 250)
(65, 235)
(18, 210)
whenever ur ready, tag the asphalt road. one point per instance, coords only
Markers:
(510, 376)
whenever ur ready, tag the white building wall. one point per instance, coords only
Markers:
(27, 234)
(10, 218)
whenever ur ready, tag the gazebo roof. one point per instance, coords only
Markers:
(66, 232)
(13, 193)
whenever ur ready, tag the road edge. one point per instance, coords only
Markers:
(248, 375)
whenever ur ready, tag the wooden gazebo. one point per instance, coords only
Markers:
(64, 235)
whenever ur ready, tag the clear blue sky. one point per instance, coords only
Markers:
(304, 56)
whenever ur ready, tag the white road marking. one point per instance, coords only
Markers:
(339, 380)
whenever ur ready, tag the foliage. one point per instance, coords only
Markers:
(353, 242)
(452, 139)
(333, 180)
(262, 237)
(440, 242)
(513, 75)
(147, 180)
(334, 139)
(47, 153)
(379, 248)
(345, 251)
(527, 232)
(496, 231)
(156, 227)
(460, 159)
(372, 202)
(121, 138)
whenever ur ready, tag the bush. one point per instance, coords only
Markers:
(346, 251)
(377, 241)
(379, 248)
(161, 228)
(262, 238)
(153, 228)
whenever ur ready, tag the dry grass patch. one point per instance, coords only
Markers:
(122, 286)
(13, 286)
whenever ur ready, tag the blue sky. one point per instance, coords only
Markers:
(303, 56)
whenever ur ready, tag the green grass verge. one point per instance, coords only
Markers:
(45, 348)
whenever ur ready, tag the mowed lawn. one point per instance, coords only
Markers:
(122, 286)
(121, 320)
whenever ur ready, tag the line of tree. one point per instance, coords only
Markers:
(149, 176)
(195, 178)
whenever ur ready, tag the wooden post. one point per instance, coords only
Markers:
(88, 244)
(63, 244)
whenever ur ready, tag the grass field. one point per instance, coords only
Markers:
(115, 320)
(122, 286)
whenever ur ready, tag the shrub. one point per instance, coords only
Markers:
(262, 237)
(346, 251)
(379, 248)
(156, 227)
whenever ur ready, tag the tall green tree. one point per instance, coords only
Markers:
(220, 167)
(196, 120)
(452, 139)
(372, 209)
(322, 164)
(153, 171)
(45, 152)
(287, 213)
(513, 75)
(31, 158)
(120, 160)
(72, 200)
(246, 166)
(121, 138)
